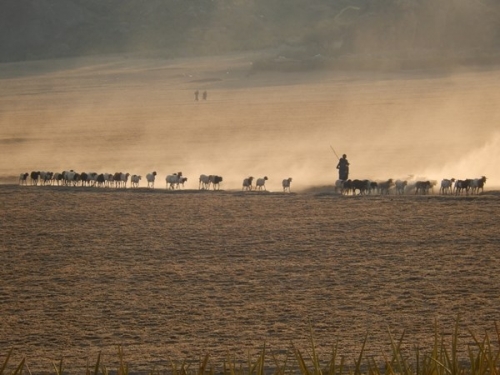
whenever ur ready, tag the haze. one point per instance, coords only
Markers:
(139, 115)
(418, 99)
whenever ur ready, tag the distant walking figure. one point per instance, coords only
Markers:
(205, 95)
(343, 167)
(196, 94)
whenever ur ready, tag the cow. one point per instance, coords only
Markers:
(383, 187)
(204, 181)
(286, 184)
(173, 180)
(23, 178)
(400, 186)
(446, 186)
(150, 177)
(261, 183)
(247, 183)
(215, 181)
(476, 184)
(34, 175)
(462, 185)
(134, 180)
(423, 187)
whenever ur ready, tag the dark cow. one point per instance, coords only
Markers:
(383, 187)
(215, 181)
(462, 185)
(101, 180)
(362, 185)
(34, 177)
(422, 187)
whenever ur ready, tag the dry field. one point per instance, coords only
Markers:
(176, 275)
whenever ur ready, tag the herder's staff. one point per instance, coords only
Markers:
(334, 152)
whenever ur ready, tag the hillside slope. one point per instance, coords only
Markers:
(38, 29)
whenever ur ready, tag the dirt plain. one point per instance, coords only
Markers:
(176, 275)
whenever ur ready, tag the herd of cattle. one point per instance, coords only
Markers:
(120, 180)
(205, 182)
(448, 186)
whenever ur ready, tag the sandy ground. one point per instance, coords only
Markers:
(177, 275)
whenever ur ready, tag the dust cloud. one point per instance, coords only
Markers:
(134, 115)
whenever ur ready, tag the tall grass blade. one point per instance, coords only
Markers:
(300, 361)
(357, 371)
(315, 359)
(59, 369)
(203, 365)
(4, 365)
(96, 368)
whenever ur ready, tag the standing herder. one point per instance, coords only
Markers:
(343, 167)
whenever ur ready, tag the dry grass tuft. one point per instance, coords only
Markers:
(441, 359)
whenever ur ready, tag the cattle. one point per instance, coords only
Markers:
(108, 179)
(204, 182)
(23, 178)
(34, 175)
(173, 180)
(134, 180)
(84, 178)
(101, 180)
(70, 177)
(476, 184)
(182, 180)
(384, 187)
(362, 185)
(247, 183)
(346, 186)
(120, 179)
(339, 186)
(423, 187)
(446, 186)
(373, 186)
(261, 183)
(215, 181)
(88, 178)
(150, 177)
(462, 185)
(58, 178)
(400, 186)
(286, 184)
(46, 178)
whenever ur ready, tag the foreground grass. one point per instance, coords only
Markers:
(440, 359)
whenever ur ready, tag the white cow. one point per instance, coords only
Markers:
(400, 186)
(173, 180)
(477, 184)
(446, 186)
(339, 186)
(70, 177)
(261, 183)
(204, 182)
(286, 184)
(134, 180)
(150, 177)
